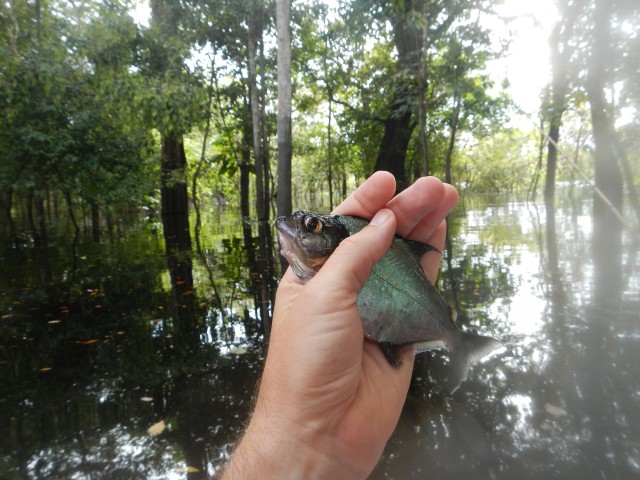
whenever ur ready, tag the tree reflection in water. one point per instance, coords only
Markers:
(90, 360)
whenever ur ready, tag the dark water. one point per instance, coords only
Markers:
(95, 348)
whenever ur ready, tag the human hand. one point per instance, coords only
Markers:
(328, 399)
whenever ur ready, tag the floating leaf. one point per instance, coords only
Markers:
(146, 399)
(53, 322)
(156, 428)
(191, 470)
(46, 369)
(555, 410)
(89, 342)
(187, 292)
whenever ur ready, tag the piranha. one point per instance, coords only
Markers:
(399, 307)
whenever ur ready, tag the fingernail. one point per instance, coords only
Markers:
(383, 216)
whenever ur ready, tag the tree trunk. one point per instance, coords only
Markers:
(560, 61)
(423, 165)
(603, 450)
(173, 190)
(258, 129)
(203, 153)
(174, 195)
(556, 109)
(177, 237)
(329, 158)
(453, 131)
(95, 221)
(393, 147)
(399, 126)
(262, 209)
(608, 178)
(7, 205)
(285, 147)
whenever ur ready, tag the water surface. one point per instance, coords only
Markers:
(96, 347)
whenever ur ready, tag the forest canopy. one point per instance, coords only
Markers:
(107, 110)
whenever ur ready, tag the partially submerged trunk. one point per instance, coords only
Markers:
(285, 147)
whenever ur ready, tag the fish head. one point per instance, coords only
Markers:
(307, 240)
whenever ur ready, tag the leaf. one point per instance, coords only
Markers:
(190, 470)
(156, 428)
(555, 410)
(146, 399)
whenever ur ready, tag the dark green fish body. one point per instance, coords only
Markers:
(399, 307)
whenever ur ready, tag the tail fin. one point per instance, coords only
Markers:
(467, 349)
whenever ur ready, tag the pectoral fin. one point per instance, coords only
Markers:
(420, 248)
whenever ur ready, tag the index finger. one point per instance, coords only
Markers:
(369, 197)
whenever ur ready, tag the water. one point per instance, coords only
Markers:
(95, 349)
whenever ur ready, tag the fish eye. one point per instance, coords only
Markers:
(312, 224)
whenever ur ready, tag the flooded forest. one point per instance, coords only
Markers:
(147, 147)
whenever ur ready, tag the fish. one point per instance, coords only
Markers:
(399, 307)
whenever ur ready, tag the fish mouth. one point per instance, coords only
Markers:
(291, 249)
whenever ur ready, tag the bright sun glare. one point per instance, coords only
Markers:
(526, 63)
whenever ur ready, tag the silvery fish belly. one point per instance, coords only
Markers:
(399, 307)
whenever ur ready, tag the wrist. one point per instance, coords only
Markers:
(269, 452)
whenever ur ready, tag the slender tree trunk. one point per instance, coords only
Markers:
(258, 129)
(560, 61)
(285, 147)
(329, 157)
(261, 207)
(7, 206)
(203, 153)
(453, 131)
(264, 135)
(95, 221)
(30, 217)
(422, 113)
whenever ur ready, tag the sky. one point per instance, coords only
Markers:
(526, 64)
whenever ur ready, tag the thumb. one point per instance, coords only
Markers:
(348, 268)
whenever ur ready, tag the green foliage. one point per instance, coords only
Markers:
(70, 125)
(501, 163)
(86, 93)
